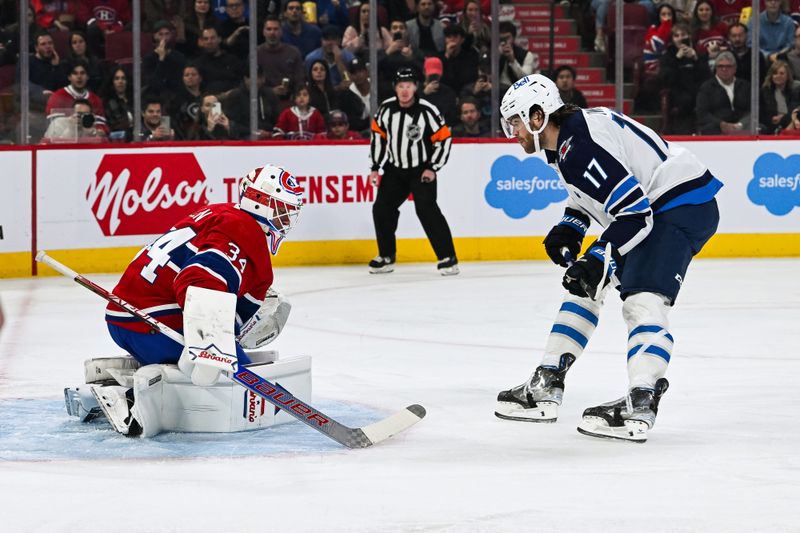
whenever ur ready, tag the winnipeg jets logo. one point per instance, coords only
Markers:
(413, 132)
(564, 149)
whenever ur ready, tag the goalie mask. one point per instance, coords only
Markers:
(272, 196)
(522, 96)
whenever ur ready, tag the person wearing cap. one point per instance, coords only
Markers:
(410, 165)
(460, 62)
(361, 87)
(162, 69)
(338, 127)
(330, 52)
(436, 92)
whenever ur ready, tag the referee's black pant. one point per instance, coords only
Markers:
(393, 190)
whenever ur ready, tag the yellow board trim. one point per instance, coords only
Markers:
(307, 253)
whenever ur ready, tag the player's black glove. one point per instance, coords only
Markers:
(586, 274)
(567, 234)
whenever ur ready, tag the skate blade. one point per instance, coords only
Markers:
(449, 271)
(632, 431)
(381, 270)
(544, 412)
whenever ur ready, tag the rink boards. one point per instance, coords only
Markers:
(93, 207)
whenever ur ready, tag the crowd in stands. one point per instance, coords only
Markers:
(313, 78)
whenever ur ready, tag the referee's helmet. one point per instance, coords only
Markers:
(405, 74)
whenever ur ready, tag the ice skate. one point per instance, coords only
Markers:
(629, 418)
(381, 265)
(80, 402)
(448, 266)
(538, 399)
(116, 403)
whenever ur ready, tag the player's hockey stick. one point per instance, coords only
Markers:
(278, 396)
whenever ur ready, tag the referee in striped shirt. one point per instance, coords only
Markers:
(412, 142)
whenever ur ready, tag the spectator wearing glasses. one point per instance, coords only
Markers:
(723, 102)
(295, 31)
(234, 30)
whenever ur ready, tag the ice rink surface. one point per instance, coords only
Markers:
(722, 457)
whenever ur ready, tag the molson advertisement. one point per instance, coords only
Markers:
(97, 206)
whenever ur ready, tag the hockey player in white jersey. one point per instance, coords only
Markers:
(656, 203)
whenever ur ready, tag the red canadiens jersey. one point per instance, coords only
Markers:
(218, 247)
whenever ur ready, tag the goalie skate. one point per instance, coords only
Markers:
(538, 399)
(629, 418)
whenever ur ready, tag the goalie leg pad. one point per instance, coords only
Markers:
(167, 400)
(109, 369)
(80, 402)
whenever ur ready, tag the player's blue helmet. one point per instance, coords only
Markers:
(271, 195)
(525, 93)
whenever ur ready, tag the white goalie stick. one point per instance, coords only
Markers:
(362, 437)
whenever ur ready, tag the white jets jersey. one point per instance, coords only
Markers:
(620, 173)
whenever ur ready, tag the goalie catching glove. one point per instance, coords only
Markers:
(267, 323)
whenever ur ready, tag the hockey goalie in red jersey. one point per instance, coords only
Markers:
(224, 247)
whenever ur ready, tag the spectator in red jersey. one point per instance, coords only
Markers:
(101, 17)
(709, 33)
(657, 40)
(793, 129)
(730, 11)
(54, 14)
(300, 121)
(338, 128)
(77, 90)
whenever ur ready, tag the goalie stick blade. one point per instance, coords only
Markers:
(388, 427)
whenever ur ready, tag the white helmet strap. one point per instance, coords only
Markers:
(536, 133)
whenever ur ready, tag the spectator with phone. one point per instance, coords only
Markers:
(398, 55)
(155, 125)
(435, 92)
(515, 61)
(477, 31)
(282, 63)
(213, 124)
(333, 55)
(682, 71)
